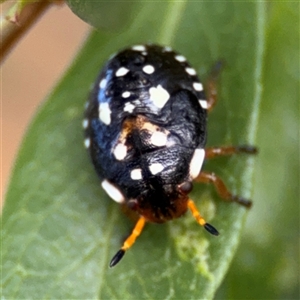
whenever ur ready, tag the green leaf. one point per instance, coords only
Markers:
(60, 229)
(267, 263)
(112, 15)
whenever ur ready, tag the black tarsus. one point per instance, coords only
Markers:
(216, 69)
(247, 149)
(211, 229)
(118, 256)
(242, 201)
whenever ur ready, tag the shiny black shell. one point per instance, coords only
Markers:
(144, 120)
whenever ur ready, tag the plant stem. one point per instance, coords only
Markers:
(11, 32)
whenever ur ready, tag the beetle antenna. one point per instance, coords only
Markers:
(212, 230)
(129, 241)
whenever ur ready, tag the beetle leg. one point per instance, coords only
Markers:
(200, 219)
(211, 86)
(222, 190)
(230, 150)
(129, 241)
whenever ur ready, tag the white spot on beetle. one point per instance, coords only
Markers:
(167, 49)
(139, 48)
(196, 163)
(122, 71)
(87, 143)
(180, 58)
(136, 174)
(120, 151)
(198, 86)
(159, 139)
(203, 104)
(112, 191)
(159, 96)
(144, 53)
(85, 123)
(126, 94)
(104, 113)
(190, 71)
(103, 83)
(129, 107)
(148, 69)
(156, 168)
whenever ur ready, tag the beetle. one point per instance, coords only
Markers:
(145, 129)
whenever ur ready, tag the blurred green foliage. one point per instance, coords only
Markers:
(267, 264)
(108, 15)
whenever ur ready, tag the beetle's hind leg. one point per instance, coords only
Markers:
(221, 188)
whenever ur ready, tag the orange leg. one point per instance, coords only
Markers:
(222, 189)
(230, 150)
(129, 241)
(200, 219)
(211, 87)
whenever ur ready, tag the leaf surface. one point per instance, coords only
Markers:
(60, 229)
